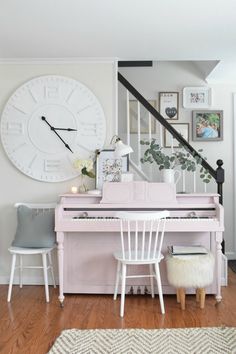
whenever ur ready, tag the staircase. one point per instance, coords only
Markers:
(150, 124)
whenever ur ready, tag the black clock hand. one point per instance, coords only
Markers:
(45, 120)
(53, 129)
(68, 129)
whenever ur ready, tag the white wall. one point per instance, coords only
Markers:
(174, 76)
(15, 186)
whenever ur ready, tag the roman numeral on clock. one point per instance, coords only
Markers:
(52, 165)
(51, 92)
(88, 129)
(14, 128)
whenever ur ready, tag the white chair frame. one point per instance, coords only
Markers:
(23, 251)
(141, 243)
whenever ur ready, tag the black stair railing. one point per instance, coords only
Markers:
(217, 174)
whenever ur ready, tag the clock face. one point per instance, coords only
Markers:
(47, 123)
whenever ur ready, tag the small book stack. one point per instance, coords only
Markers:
(187, 250)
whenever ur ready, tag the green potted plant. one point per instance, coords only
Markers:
(181, 157)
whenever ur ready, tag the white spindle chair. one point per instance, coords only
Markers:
(23, 251)
(141, 243)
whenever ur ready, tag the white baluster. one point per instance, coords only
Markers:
(161, 135)
(194, 182)
(149, 126)
(149, 138)
(172, 144)
(128, 117)
(139, 145)
(183, 181)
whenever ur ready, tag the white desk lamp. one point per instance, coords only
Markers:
(121, 149)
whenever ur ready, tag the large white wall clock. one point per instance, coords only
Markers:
(47, 122)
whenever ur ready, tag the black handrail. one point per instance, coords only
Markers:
(218, 174)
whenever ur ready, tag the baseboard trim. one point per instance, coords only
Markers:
(4, 280)
(230, 255)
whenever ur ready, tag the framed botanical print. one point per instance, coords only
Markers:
(182, 129)
(169, 105)
(109, 168)
(144, 118)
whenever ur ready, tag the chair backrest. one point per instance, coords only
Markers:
(37, 205)
(35, 225)
(142, 234)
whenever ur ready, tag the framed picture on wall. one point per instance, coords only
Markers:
(197, 97)
(109, 168)
(169, 105)
(144, 118)
(207, 125)
(182, 129)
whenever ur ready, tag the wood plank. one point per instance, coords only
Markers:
(29, 325)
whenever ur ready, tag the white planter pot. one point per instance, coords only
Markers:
(170, 176)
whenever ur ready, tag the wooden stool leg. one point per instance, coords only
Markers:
(177, 295)
(197, 294)
(182, 298)
(202, 297)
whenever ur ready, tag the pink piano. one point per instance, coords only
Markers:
(88, 232)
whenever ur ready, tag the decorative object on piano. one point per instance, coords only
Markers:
(182, 129)
(197, 97)
(127, 177)
(120, 149)
(181, 157)
(46, 121)
(85, 167)
(74, 189)
(207, 125)
(144, 118)
(94, 192)
(109, 167)
(169, 105)
(171, 176)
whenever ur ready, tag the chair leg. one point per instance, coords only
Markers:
(177, 295)
(182, 298)
(158, 278)
(13, 264)
(202, 297)
(122, 304)
(117, 280)
(197, 294)
(21, 270)
(45, 274)
(51, 268)
(151, 280)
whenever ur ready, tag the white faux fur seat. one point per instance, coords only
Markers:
(190, 271)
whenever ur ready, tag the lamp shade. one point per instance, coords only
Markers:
(122, 149)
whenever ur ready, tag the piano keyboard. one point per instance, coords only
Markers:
(104, 218)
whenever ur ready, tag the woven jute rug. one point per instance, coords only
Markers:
(221, 340)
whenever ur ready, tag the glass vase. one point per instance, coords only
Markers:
(82, 185)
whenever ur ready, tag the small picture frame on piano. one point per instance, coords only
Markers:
(109, 168)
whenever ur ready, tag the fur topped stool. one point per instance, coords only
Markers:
(190, 271)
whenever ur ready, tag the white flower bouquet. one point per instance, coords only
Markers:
(85, 167)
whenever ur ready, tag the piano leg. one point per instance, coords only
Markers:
(218, 238)
(60, 253)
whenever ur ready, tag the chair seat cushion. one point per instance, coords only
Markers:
(27, 250)
(35, 228)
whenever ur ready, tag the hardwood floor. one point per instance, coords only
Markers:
(29, 325)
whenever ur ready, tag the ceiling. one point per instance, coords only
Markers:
(123, 29)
